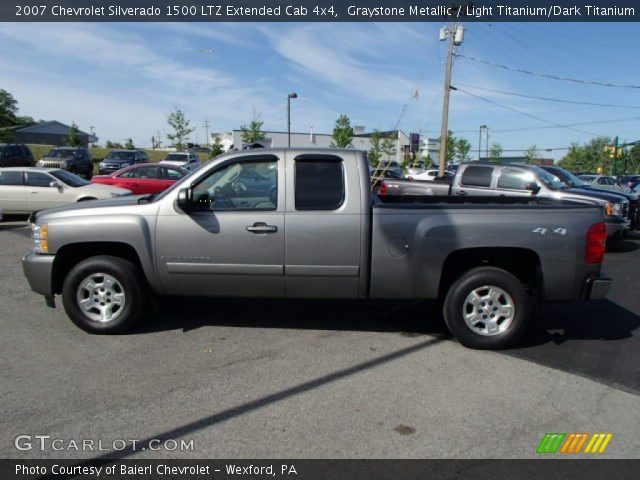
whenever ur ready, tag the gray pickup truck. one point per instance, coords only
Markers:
(515, 180)
(303, 223)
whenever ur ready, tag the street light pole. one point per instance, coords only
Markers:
(480, 141)
(289, 97)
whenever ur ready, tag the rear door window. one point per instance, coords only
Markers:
(12, 178)
(514, 179)
(477, 176)
(319, 183)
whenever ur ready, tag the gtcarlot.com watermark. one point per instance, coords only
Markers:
(47, 443)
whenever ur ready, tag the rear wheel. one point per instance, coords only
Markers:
(487, 308)
(103, 294)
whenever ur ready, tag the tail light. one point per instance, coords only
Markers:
(383, 189)
(596, 243)
(409, 178)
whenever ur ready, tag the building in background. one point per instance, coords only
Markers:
(51, 133)
(520, 160)
(361, 140)
(430, 148)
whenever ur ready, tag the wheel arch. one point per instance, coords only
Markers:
(523, 263)
(68, 256)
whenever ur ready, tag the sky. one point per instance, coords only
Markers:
(124, 79)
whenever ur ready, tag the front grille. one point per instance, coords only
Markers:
(111, 167)
(625, 210)
(51, 165)
(634, 213)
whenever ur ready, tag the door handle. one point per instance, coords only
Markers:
(33, 193)
(261, 227)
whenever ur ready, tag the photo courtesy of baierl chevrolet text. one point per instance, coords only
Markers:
(319, 239)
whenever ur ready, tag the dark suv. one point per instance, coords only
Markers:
(117, 159)
(76, 160)
(15, 155)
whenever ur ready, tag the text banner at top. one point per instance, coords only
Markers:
(317, 11)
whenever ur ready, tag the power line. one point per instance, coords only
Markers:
(523, 129)
(550, 99)
(545, 75)
(523, 113)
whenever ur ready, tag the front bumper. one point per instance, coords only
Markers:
(39, 272)
(596, 287)
(616, 226)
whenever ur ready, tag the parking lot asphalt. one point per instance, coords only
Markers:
(316, 379)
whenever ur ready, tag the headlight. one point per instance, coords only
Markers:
(63, 164)
(40, 238)
(612, 209)
(40, 162)
(101, 164)
(126, 164)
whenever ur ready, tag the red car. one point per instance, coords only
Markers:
(143, 178)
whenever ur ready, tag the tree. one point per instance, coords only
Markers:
(375, 153)
(462, 147)
(588, 157)
(451, 147)
(495, 152)
(253, 132)
(73, 140)
(129, 145)
(216, 148)
(532, 154)
(110, 144)
(388, 147)
(342, 132)
(181, 128)
(633, 159)
(8, 109)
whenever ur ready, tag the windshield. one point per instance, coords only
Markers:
(176, 157)
(572, 180)
(69, 178)
(60, 153)
(550, 181)
(120, 156)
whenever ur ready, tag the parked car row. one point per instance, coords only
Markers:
(502, 180)
(30, 189)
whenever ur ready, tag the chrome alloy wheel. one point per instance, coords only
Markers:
(488, 310)
(101, 297)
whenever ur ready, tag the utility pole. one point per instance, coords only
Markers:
(454, 34)
(615, 156)
(206, 131)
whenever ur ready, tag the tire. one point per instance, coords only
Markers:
(111, 279)
(497, 293)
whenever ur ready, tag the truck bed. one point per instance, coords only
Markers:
(427, 201)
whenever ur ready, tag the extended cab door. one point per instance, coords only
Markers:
(513, 181)
(323, 239)
(231, 243)
(475, 180)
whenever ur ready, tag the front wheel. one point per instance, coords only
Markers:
(103, 294)
(487, 308)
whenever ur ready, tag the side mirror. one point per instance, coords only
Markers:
(57, 185)
(533, 187)
(185, 200)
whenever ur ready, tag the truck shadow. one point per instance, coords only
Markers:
(593, 339)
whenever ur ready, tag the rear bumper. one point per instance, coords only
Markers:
(596, 287)
(39, 272)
